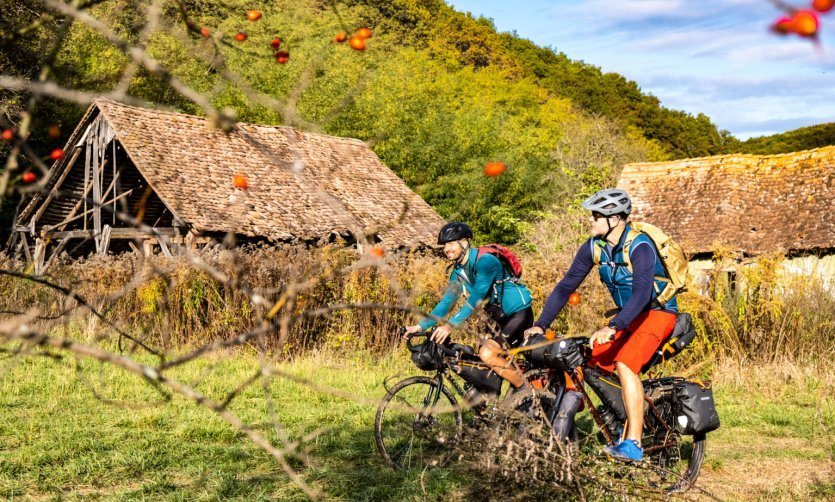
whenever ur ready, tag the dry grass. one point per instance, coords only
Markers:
(172, 303)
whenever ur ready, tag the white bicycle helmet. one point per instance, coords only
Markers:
(609, 202)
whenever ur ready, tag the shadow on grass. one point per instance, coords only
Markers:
(350, 467)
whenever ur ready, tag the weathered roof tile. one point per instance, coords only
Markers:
(754, 203)
(302, 185)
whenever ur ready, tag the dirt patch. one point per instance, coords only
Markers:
(761, 475)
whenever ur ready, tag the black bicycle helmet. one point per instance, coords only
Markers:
(454, 231)
(609, 202)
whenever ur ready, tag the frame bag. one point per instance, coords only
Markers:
(696, 412)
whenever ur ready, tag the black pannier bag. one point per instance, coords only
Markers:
(426, 356)
(562, 354)
(696, 412)
(683, 333)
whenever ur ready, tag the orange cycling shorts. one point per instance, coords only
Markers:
(635, 345)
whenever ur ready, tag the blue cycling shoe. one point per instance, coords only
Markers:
(627, 449)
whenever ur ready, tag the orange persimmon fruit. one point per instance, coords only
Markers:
(357, 43)
(494, 168)
(823, 5)
(240, 181)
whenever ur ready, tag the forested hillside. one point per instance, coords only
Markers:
(437, 93)
(805, 138)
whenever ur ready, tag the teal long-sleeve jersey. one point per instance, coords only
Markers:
(481, 279)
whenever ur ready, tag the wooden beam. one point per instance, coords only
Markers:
(164, 247)
(54, 191)
(134, 248)
(69, 234)
(115, 233)
(55, 253)
(105, 239)
(147, 248)
(138, 233)
(114, 183)
(97, 170)
(26, 251)
(38, 255)
(88, 149)
(64, 223)
(82, 200)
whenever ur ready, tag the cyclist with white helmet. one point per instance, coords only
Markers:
(484, 281)
(641, 325)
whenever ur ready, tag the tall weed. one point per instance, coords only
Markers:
(764, 315)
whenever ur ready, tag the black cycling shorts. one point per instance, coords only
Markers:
(513, 327)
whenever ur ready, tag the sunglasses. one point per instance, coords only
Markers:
(597, 216)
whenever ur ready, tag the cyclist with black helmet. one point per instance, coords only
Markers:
(484, 281)
(641, 325)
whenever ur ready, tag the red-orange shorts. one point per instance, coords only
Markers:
(635, 345)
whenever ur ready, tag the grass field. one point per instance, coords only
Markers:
(79, 430)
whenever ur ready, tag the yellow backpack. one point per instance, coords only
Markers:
(672, 258)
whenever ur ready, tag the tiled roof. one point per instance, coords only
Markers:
(754, 203)
(302, 186)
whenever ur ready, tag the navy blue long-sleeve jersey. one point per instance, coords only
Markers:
(633, 293)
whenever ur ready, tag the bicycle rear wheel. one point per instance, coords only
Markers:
(416, 425)
(677, 459)
(690, 454)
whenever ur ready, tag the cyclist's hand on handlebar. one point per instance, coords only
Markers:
(536, 330)
(411, 330)
(601, 336)
(441, 333)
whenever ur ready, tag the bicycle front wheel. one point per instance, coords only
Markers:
(416, 425)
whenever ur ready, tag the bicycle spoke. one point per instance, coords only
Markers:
(412, 427)
(399, 452)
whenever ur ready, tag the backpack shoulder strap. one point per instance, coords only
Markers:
(627, 247)
(597, 250)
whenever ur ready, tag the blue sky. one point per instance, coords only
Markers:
(701, 56)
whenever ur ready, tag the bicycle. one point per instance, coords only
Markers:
(419, 419)
(420, 433)
(665, 434)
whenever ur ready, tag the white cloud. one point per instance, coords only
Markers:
(716, 57)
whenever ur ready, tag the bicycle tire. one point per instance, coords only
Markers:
(683, 476)
(406, 436)
(694, 465)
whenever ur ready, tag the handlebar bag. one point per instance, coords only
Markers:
(427, 356)
(563, 354)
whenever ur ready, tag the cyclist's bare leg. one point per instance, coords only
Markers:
(490, 353)
(633, 400)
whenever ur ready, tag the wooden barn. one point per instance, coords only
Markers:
(142, 179)
(751, 203)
